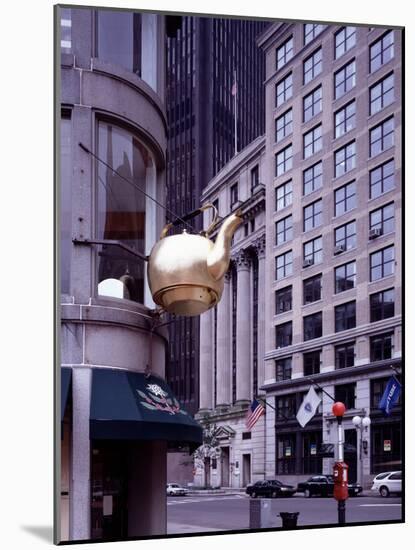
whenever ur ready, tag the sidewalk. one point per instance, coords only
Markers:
(176, 528)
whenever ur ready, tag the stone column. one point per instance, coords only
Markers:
(223, 346)
(206, 361)
(80, 502)
(260, 249)
(243, 329)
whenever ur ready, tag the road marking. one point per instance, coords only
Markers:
(203, 499)
(373, 505)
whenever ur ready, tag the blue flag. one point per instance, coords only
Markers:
(390, 395)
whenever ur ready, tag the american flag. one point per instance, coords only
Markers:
(254, 412)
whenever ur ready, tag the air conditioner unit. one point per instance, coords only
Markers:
(307, 263)
(374, 233)
(339, 249)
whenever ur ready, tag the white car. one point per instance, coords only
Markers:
(174, 489)
(387, 483)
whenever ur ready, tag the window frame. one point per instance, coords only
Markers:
(384, 135)
(316, 66)
(380, 311)
(343, 317)
(380, 86)
(286, 334)
(316, 104)
(316, 143)
(342, 84)
(313, 326)
(287, 161)
(383, 223)
(283, 296)
(314, 177)
(315, 284)
(347, 277)
(287, 50)
(284, 125)
(284, 196)
(315, 251)
(381, 181)
(349, 239)
(314, 212)
(315, 362)
(287, 266)
(381, 252)
(343, 124)
(287, 89)
(349, 160)
(284, 370)
(346, 199)
(381, 53)
(346, 346)
(285, 230)
(344, 41)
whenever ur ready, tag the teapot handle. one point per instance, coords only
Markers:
(193, 214)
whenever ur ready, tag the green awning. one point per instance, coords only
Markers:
(128, 405)
(66, 379)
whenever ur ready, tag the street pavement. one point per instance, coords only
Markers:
(198, 514)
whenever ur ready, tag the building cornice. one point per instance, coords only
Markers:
(368, 329)
(378, 367)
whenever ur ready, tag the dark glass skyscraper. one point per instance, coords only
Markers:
(208, 62)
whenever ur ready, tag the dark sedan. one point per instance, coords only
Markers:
(323, 486)
(271, 488)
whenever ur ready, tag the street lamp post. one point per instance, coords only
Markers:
(360, 424)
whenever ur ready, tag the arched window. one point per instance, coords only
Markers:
(124, 213)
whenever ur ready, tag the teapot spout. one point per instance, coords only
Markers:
(219, 256)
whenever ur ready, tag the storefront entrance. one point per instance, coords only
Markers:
(246, 470)
(225, 467)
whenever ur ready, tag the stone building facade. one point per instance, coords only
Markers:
(232, 334)
(111, 468)
(333, 267)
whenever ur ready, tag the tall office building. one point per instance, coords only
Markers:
(333, 234)
(208, 62)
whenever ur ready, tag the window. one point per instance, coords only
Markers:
(345, 159)
(284, 265)
(313, 178)
(312, 289)
(284, 125)
(313, 215)
(345, 119)
(381, 51)
(284, 160)
(312, 141)
(123, 213)
(286, 453)
(313, 326)
(283, 195)
(284, 53)
(311, 362)
(345, 236)
(382, 263)
(382, 94)
(284, 335)
(383, 218)
(313, 251)
(345, 198)
(381, 347)
(377, 389)
(312, 66)
(283, 300)
(216, 205)
(119, 38)
(66, 30)
(346, 394)
(344, 40)
(344, 79)
(66, 201)
(311, 30)
(283, 369)
(284, 90)
(254, 177)
(312, 104)
(382, 305)
(285, 406)
(345, 316)
(234, 194)
(344, 355)
(382, 137)
(382, 179)
(283, 230)
(345, 277)
(246, 435)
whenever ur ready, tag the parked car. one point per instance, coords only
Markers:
(323, 486)
(387, 483)
(174, 489)
(270, 488)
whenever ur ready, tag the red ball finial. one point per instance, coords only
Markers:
(338, 409)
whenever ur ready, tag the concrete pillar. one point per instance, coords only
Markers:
(206, 361)
(243, 329)
(147, 489)
(80, 502)
(260, 248)
(223, 347)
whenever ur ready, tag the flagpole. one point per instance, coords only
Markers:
(236, 113)
(263, 400)
(323, 390)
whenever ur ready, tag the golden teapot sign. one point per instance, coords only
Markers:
(186, 272)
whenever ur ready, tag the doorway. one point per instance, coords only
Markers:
(246, 470)
(350, 453)
(225, 467)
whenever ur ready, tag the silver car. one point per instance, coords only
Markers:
(174, 489)
(387, 483)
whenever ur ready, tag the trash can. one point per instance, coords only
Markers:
(289, 519)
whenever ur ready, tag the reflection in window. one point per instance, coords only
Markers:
(119, 39)
(122, 207)
(66, 199)
(66, 30)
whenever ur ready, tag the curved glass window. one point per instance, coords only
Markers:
(119, 39)
(124, 214)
